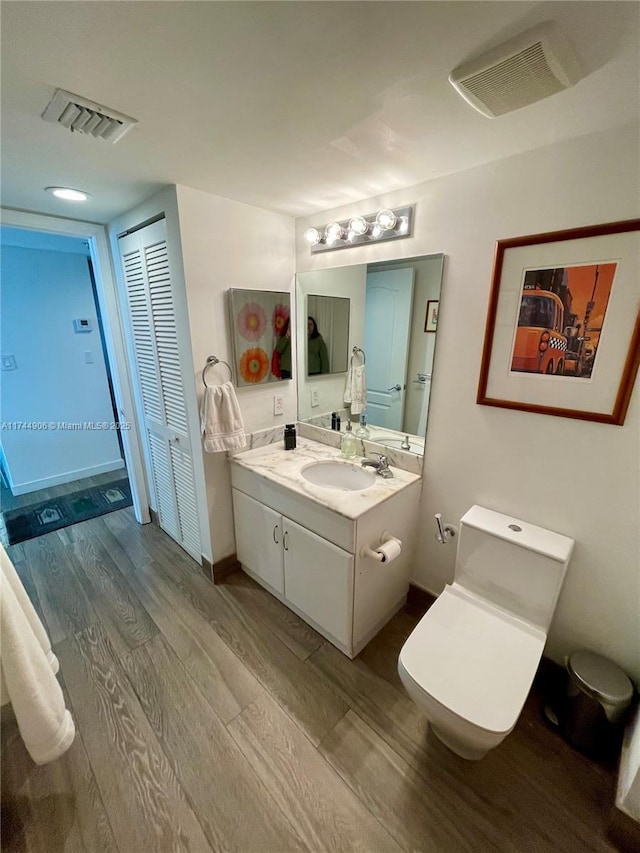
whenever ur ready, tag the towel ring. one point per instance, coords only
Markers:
(354, 353)
(211, 361)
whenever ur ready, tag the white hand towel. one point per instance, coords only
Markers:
(27, 669)
(221, 419)
(355, 389)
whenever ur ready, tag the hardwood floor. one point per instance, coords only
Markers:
(212, 718)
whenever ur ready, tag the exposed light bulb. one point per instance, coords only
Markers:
(376, 231)
(333, 232)
(312, 236)
(67, 193)
(403, 225)
(358, 226)
(386, 219)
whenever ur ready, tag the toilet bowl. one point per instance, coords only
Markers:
(471, 660)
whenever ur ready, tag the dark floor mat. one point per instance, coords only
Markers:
(32, 521)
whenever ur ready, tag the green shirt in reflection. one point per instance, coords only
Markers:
(317, 356)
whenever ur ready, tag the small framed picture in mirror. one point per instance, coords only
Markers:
(261, 335)
(431, 320)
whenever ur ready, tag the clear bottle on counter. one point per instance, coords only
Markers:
(349, 443)
(363, 430)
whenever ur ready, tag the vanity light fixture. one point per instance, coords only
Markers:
(312, 236)
(377, 227)
(386, 219)
(358, 226)
(67, 193)
(333, 232)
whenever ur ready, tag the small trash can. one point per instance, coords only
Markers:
(599, 694)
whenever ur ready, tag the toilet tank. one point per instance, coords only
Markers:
(511, 563)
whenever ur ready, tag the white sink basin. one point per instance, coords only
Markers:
(338, 475)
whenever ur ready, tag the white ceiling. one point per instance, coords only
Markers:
(291, 106)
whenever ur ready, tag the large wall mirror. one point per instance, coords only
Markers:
(392, 315)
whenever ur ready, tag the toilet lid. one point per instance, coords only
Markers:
(474, 659)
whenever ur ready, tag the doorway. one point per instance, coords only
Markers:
(93, 335)
(62, 455)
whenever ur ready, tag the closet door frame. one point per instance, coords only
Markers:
(97, 239)
(165, 206)
(158, 346)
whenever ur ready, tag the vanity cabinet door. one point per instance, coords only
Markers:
(259, 540)
(318, 580)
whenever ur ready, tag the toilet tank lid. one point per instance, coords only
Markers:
(518, 532)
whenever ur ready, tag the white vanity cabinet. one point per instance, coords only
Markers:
(313, 558)
(312, 575)
(259, 540)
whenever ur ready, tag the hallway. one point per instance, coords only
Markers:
(212, 718)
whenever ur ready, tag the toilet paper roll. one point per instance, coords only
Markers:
(390, 550)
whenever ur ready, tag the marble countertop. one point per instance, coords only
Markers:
(284, 467)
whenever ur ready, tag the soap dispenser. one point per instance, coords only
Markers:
(349, 444)
(363, 430)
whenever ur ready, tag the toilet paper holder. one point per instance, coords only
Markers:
(445, 531)
(377, 555)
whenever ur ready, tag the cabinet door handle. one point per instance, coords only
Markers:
(285, 540)
(275, 534)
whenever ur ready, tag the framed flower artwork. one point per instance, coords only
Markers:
(261, 335)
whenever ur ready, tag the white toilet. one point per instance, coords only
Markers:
(470, 661)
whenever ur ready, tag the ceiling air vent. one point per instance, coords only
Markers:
(79, 114)
(526, 69)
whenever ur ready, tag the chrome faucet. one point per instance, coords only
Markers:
(381, 464)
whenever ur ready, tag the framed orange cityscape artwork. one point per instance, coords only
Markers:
(563, 324)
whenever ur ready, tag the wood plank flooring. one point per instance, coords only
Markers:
(212, 718)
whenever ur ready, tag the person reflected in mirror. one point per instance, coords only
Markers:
(317, 353)
(283, 351)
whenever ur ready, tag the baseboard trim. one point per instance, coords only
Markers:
(68, 477)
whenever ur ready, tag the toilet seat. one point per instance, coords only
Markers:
(472, 658)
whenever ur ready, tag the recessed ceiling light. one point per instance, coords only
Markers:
(67, 193)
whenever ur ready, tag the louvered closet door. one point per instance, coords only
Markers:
(154, 336)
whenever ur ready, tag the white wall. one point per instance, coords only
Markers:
(576, 477)
(228, 244)
(42, 293)
(350, 283)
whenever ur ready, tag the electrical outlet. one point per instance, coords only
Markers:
(315, 398)
(278, 404)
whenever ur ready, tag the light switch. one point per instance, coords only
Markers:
(88, 357)
(9, 362)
